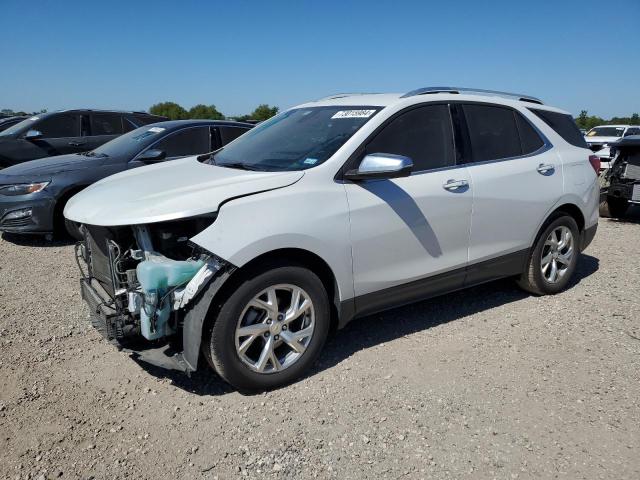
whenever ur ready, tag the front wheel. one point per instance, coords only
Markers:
(553, 258)
(614, 207)
(270, 329)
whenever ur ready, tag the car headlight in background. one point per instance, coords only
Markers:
(23, 188)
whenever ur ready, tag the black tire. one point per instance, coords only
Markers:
(219, 340)
(532, 279)
(73, 229)
(614, 207)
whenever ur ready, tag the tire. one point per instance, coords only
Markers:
(223, 343)
(73, 229)
(535, 278)
(614, 207)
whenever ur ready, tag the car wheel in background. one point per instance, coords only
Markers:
(73, 229)
(553, 258)
(270, 330)
(613, 207)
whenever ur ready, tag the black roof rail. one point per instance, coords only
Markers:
(497, 93)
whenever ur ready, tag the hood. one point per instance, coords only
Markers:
(596, 139)
(47, 166)
(168, 191)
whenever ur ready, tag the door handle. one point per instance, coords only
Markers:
(452, 184)
(545, 168)
(77, 144)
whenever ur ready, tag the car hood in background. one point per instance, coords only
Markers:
(168, 191)
(45, 167)
(601, 139)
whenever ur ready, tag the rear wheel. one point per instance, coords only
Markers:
(553, 258)
(270, 329)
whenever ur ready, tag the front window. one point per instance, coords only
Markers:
(130, 143)
(295, 140)
(606, 132)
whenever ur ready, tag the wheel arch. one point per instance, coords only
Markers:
(202, 312)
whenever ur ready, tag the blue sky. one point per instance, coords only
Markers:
(237, 54)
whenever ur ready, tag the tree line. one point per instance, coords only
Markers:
(586, 121)
(176, 112)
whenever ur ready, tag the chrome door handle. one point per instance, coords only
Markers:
(545, 168)
(452, 184)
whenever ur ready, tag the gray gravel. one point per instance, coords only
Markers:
(484, 383)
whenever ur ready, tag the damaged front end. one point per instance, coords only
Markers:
(140, 283)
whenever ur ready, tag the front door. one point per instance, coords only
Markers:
(410, 236)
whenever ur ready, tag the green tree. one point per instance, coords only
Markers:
(169, 109)
(205, 111)
(263, 112)
(635, 119)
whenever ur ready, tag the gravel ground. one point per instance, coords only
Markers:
(485, 383)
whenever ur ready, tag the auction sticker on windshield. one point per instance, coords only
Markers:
(354, 114)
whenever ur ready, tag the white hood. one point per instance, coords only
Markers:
(168, 191)
(602, 139)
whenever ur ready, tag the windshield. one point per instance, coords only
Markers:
(295, 140)
(20, 126)
(606, 132)
(129, 143)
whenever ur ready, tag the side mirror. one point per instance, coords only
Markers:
(152, 156)
(33, 135)
(381, 165)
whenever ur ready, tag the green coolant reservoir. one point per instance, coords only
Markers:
(157, 276)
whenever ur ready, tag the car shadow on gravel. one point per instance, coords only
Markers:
(384, 327)
(36, 240)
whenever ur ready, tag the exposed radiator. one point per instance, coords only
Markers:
(632, 172)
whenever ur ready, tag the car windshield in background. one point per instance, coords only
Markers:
(606, 132)
(18, 127)
(295, 140)
(129, 143)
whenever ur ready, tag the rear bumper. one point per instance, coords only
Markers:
(587, 236)
(39, 218)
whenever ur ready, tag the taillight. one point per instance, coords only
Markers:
(594, 160)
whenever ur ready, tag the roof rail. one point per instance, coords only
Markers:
(430, 90)
(342, 95)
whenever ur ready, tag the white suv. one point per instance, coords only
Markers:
(332, 210)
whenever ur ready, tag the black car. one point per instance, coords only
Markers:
(7, 122)
(621, 185)
(33, 194)
(69, 131)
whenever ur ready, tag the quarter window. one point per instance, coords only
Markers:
(106, 124)
(59, 126)
(191, 141)
(492, 131)
(423, 134)
(563, 125)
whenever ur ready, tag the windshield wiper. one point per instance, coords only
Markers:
(241, 166)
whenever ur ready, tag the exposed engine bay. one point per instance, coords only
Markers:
(622, 180)
(137, 280)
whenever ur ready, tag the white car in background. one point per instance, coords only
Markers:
(332, 210)
(599, 139)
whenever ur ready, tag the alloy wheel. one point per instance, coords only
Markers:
(275, 328)
(557, 254)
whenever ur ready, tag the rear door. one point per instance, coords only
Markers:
(516, 180)
(410, 236)
(104, 127)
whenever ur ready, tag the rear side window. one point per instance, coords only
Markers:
(191, 141)
(142, 120)
(563, 125)
(59, 126)
(529, 138)
(106, 124)
(492, 131)
(228, 134)
(423, 134)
